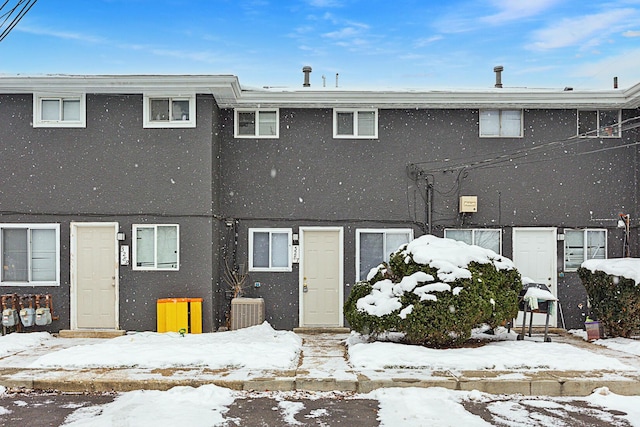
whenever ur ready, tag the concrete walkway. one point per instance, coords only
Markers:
(323, 367)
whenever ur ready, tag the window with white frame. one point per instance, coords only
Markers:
(485, 238)
(269, 249)
(59, 110)
(169, 111)
(156, 247)
(581, 245)
(374, 246)
(30, 254)
(256, 123)
(500, 123)
(355, 123)
(599, 123)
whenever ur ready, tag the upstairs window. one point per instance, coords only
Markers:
(169, 111)
(269, 249)
(373, 246)
(156, 247)
(30, 254)
(501, 123)
(256, 123)
(59, 111)
(581, 245)
(355, 123)
(485, 238)
(599, 124)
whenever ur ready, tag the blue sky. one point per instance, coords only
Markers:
(383, 44)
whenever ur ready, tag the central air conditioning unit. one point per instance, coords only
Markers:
(246, 312)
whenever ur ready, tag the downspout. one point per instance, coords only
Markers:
(635, 195)
(429, 205)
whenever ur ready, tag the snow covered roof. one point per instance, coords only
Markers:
(453, 99)
(225, 88)
(229, 93)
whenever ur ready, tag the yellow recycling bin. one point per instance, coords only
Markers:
(180, 314)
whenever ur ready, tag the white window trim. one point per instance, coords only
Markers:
(473, 234)
(584, 245)
(271, 231)
(153, 124)
(256, 111)
(134, 254)
(384, 231)
(40, 226)
(355, 112)
(595, 133)
(500, 110)
(37, 111)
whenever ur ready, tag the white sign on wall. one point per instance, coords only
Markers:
(124, 255)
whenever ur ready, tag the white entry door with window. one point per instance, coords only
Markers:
(535, 257)
(321, 276)
(94, 276)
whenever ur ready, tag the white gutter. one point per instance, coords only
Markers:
(228, 93)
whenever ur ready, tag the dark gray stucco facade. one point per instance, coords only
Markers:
(549, 178)
(216, 187)
(115, 171)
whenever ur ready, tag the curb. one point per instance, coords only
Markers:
(576, 383)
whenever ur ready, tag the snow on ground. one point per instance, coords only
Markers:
(406, 407)
(245, 348)
(14, 343)
(621, 344)
(629, 404)
(3, 410)
(626, 345)
(202, 406)
(409, 407)
(507, 355)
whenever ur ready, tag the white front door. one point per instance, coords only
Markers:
(94, 276)
(535, 257)
(321, 277)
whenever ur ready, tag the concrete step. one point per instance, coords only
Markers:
(90, 333)
(321, 330)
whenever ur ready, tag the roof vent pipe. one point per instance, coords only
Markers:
(498, 70)
(615, 83)
(306, 70)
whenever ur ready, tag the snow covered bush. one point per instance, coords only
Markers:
(614, 294)
(435, 291)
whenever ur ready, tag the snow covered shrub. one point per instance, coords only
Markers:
(435, 291)
(615, 300)
(360, 320)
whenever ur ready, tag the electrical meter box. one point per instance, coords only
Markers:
(28, 316)
(468, 204)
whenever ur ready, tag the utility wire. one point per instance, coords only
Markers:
(500, 158)
(463, 165)
(12, 16)
(500, 163)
